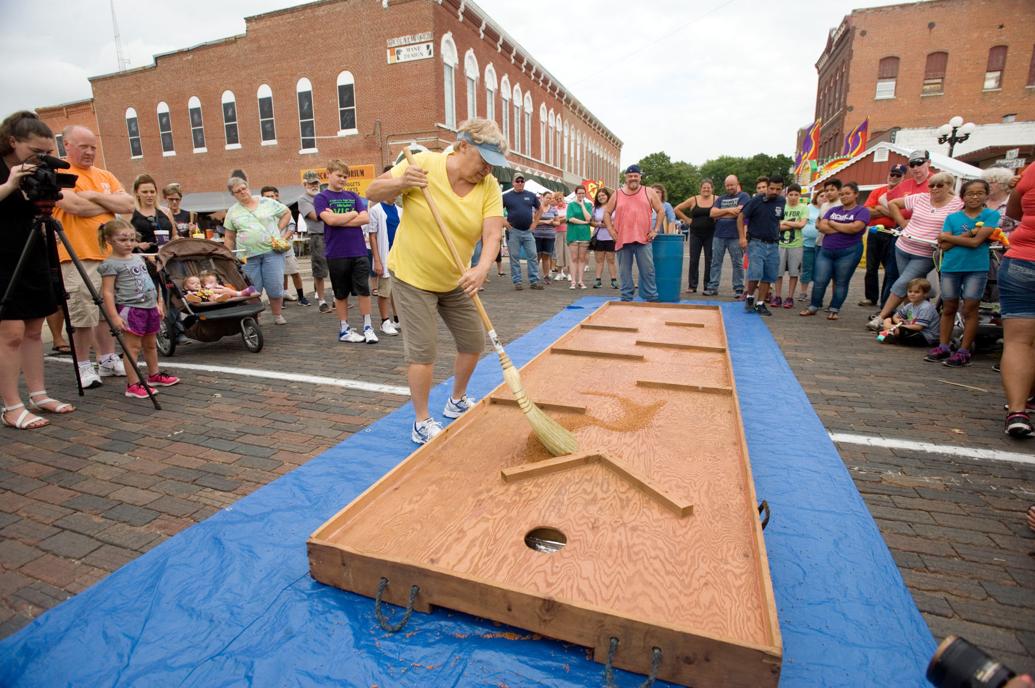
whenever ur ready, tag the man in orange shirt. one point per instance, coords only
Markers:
(96, 198)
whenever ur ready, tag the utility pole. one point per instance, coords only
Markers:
(122, 64)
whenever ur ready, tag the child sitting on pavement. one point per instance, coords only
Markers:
(206, 288)
(915, 322)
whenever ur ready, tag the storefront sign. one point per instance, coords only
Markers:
(1011, 163)
(409, 40)
(360, 177)
(409, 53)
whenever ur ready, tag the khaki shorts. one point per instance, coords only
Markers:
(82, 311)
(290, 263)
(417, 309)
(383, 285)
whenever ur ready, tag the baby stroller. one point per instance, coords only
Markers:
(181, 258)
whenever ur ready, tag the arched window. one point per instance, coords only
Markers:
(887, 75)
(996, 67)
(542, 131)
(449, 62)
(267, 127)
(565, 160)
(578, 153)
(306, 118)
(471, 74)
(197, 124)
(230, 120)
(528, 124)
(346, 104)
(505, 107)
(490, 92)
(934, 74)
(552, 150)
(558, 161)
(133, 129)
(516, 143)
(165, 131)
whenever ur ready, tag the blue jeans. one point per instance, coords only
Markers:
(644, 256)
(266, 271)
(763, 261)
(839, 264)
(970, 286)
(522, 238)
(720, 245)
(909, 268)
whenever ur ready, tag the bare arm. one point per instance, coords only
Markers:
(119, 203)
(895, 210)
(1013, 206)
(659, 210)
(846, 227)
(608, 209)
(688, 204)
(741, 230)
(947, 239)
(108, 292)
(74, 204)
(386, 187)
(474, 277)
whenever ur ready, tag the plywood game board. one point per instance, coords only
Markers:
(648, 534)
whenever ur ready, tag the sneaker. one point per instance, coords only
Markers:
(517, 286)
(162, 379)
(388, 327)
(137, 391)
(89, 377)
(351, 336)
(325, 307)
(960, 359)
(866, 303)
(288, 296)
(761, 309)
(597, 284)
(304, 302)
(776, 302)
(749, 303)
(939, 353)
(454, 408)
(111, 366)
(1018, 425)
(425, 430)
(368, 335)
(614, 284)
(875, 324)
(788, 302)
(709, 292)
(1029, 405)
(537, 286)
(280, 319)
(573, 286)
(996, 368)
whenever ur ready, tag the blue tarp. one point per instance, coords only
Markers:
(229, 602)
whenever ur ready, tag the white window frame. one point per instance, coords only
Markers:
(229, 97)
(505, 108)
(303, 85)
(449, 64)
(346, 79)
(265, 91)
(194, 103)
(885, 89)
(490, 92)
(565, 159)
(551, 159)
(516, 144)
(559, 159)
(131, 114)
(163, 109)
(528, 123)
(471, 80)
(543, 117)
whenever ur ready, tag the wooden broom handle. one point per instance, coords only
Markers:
(449, 242)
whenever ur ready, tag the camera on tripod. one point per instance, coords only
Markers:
(45, 182)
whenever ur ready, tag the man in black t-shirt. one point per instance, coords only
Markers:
(522, 214)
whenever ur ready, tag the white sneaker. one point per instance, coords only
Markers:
(280, 319)
(111, 366)
(89, 376)
(388, 328)
(288, 296)
(456, 408)
(351, 336)
(368, 335)
(875, 324)
(425, 430)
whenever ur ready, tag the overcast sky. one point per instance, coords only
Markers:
(693, 79)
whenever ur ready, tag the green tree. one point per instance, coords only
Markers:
(681, 179)
(746, 169)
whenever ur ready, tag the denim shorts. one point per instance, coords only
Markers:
(1017, 288)
(543, 245)
(763, 261)
(967, 285)
(910, 267)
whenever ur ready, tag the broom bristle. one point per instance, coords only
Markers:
(557, 439)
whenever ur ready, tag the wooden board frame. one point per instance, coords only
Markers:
(691, 655)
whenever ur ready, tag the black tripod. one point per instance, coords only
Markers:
(49, 229)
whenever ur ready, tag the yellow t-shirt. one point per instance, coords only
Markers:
(419, 255)
(82, 231)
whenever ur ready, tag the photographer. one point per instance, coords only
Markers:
(97, 197)
(22, 136)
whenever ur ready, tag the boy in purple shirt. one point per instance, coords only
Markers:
(343, 214)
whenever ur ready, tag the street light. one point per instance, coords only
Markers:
(955, 132)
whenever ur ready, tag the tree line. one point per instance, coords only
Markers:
(683, 179)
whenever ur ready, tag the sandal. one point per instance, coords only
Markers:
(61, 349)
(48, 405)
(26, 420)
(832, 315)
(807, 313)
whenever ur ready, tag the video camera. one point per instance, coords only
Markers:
(45, 182)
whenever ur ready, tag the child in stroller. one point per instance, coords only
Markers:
(206, 288)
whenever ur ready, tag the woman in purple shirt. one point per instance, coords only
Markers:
(842, 248)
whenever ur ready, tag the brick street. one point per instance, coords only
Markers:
(101, 486)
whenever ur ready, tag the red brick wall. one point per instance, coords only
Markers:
(80, 113)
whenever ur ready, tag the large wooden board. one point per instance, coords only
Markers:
(663, 543)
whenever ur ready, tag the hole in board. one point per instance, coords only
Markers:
(548, 540)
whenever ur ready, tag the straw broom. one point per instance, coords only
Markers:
(557, 439)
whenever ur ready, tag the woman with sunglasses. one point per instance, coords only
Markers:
(184, 220)
(153, 223)
(914, 249)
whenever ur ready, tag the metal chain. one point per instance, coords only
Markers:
(609, 670)
(381, 619)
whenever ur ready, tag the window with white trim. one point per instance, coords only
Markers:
(542, 132)
(229, 103)
(887, 75)
(505, 107)
(197, 124)
(558, 160)
(59, 141)
(165, 132)
(528, 124)
(449, 63)
(566, 160)
(306, 118)
(490, 92)
(995, 68)
(471, 79)
(552, 119)
(133, 131)
(346, 104)
(267, 125)
(516, 144)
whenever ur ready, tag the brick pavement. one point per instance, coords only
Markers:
(105, 484)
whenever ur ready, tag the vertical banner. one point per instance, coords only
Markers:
(855, 141)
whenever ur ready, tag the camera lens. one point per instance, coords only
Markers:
(958, 664)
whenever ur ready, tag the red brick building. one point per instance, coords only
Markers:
(918, 64)
(368, 78)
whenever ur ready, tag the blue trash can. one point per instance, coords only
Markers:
(668, 266)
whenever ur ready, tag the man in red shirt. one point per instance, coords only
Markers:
(916, 182)
(880, 246)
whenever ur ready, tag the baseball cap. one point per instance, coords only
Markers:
(519, 178)
(490, 152)
(919, 156)
(310, 177)
(633, 169)
(900, 170)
